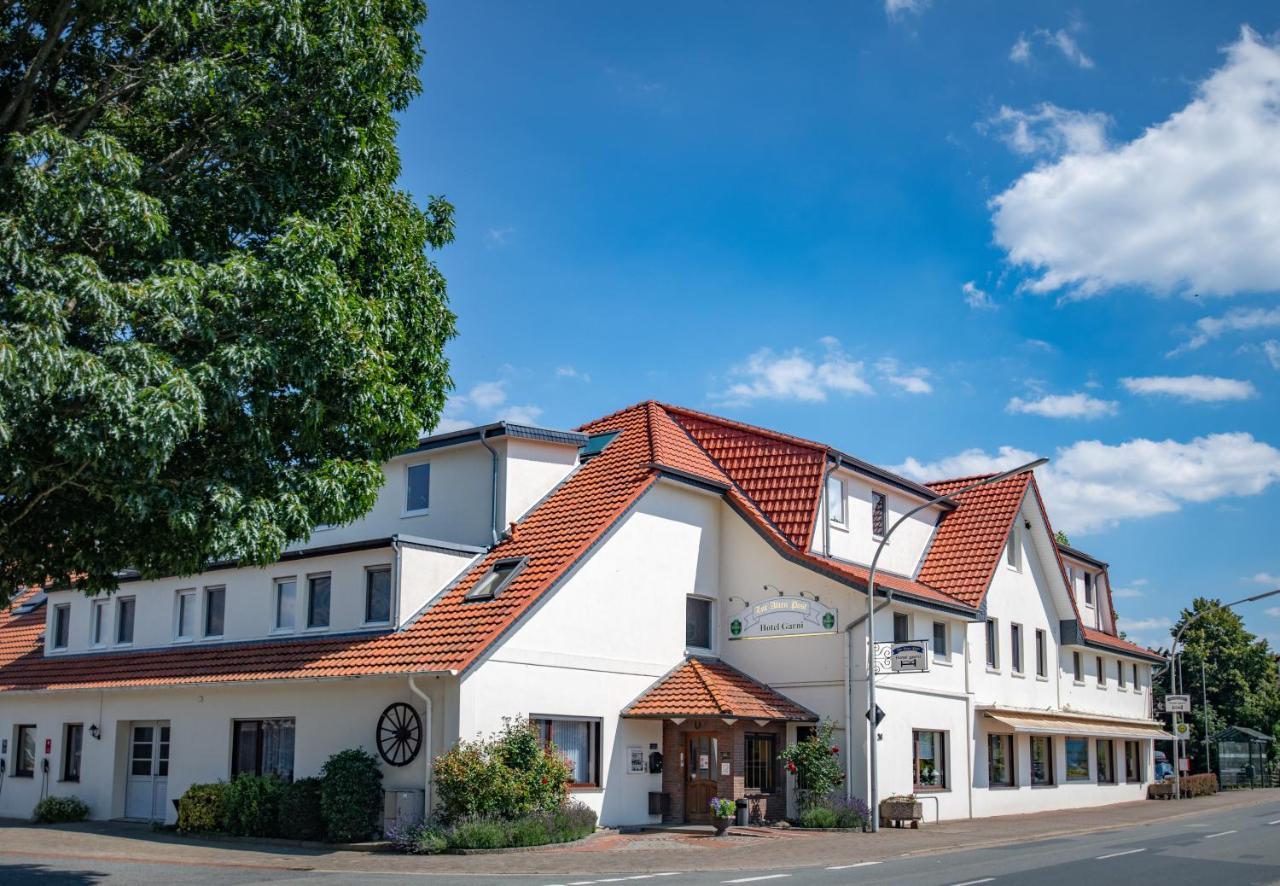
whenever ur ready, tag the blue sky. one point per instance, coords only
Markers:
(939, 236)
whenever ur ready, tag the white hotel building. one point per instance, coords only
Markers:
(591, 580)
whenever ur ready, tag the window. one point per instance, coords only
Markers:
(1120, 673)
(1013, 550)
(761, 762)
(1137, 686)
(837, 497)
(24, 758)
(72, 742)
(215, 610)
(1000, 761)
(1088, 589)
(263, 747)
(377, 595)
(1041, 760)
(497, 579)
(418, 484)
(939, 639)
(901, 627)
(697, 622)
(993, 645)
(1015, 647)
(1077, 667)
(184, 615)
(98, 623)
(61, 625)
(1106, 763)
(929, 759)
(1133, 761)
(124, 620)
(1042, 658)
(1102, 672)
(318, 587)
(1077, 759)
(879, 513)
(286, 603)
(578, 742)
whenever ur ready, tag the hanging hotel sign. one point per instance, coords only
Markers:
(783, 617)
(911, 657)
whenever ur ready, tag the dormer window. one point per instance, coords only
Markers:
(417, 489)
(879, 514)
(837, 496)
(61, 625)
(1088, 589)
(496, 580)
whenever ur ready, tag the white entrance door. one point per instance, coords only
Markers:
(146, 788)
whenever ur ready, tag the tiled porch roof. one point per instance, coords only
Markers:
(700, 687)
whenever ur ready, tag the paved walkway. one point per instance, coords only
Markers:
(606, 853)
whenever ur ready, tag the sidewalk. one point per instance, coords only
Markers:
(610, 853)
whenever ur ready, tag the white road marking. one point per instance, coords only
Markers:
(754, 879)
(1118, 854)
(1219, 834)
(974, 882)
(844, 867)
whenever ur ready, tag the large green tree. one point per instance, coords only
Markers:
(1239, 681)
(217, 313)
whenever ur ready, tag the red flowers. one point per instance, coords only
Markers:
(834, 749)
(791, 767)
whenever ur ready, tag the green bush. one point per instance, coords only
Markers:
(571, 821)
(203, 808)
(477, 833)
(531, 830)
(818, 817)
(300, 817)
(816, 764)
(351, 796)
(59, 810)
(507, 775)
(252, 806)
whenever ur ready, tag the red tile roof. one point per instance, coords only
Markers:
(968, 543)
(710, 688)
(1102, 638)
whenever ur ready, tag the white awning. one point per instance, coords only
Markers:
(1048, 723)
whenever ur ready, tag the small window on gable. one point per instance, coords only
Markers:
(1088, 588)
(418, 485)
(1013, 550)
(61, 625)
(901, 627)
(497, 579)
(837, 501)
(879, 513)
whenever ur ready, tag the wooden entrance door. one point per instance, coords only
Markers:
(700, 776)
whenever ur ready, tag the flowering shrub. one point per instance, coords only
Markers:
(571, 821)
(58, 810)
(816, 764)
(507, 775)
(722, 808)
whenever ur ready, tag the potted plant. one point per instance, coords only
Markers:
(722, 812)
(900, 808)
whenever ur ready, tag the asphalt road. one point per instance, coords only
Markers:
(1234, 846)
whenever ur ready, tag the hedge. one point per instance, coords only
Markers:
(60, 810)
(203, 808)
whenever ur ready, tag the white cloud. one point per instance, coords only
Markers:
(1061, 40)
(1273, 611)
(486, 401)
(797, 375)
(495, 237)
(1063, 406)
(1090, 484)
(1189, 204)
(1191, 388)
(571, 372)
(975, 297)
(1020, 52)
(488, 394)
(445, 425)
(897, 8)
(1050, 130)
(1156, 623)
(1039, 344)
(520, 415)
(1272, 350)
(1125, 593)
(1235, 320)
(1266, 578)
(912, 381)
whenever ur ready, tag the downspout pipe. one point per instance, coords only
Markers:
(426, 746)
(493, 492)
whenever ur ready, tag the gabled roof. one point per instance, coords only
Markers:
(1093, 637)
(707, 687)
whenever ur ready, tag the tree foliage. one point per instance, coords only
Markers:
(1240, 677)
(217, 315)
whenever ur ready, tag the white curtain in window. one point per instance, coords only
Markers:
(573, 741)
(277, 748)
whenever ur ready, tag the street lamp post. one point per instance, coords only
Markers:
(870, 619)
(1175, 682)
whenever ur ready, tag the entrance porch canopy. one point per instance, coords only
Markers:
(707, 687)
(1056, 723)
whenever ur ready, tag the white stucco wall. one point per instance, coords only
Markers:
(854, 541)
(529, 470)
(424, 572)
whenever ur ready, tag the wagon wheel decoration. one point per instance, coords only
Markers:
(399, 734)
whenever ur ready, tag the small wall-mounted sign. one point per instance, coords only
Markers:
(726, 769)
(635, 760)
(1177, 704)
(783, 617)
(911, 657)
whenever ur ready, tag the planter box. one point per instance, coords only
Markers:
(1163, 791)
(898, 811)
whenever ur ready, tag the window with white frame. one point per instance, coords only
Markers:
(901, 627)
(1042, 658)
(377, 595)
(1102, 671)
(1013, 550)
(184, 614)
(1000, 760)
(1077, 667)
(1137, 687)
(697, 622)
(417, 488)
(879, 514)
(1088, 588)
(286, 600)
(837, 501)
(124, 620)
(1120, 681)
(929, 759)
(577, 742)
(940, 639)
(318, 589)
(993, 644)
(215, 611)
(98, 625)
(1015, 647)
(61, 626)
(263, 747)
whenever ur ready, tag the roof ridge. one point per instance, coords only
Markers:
(968, 478)
(749, 428)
